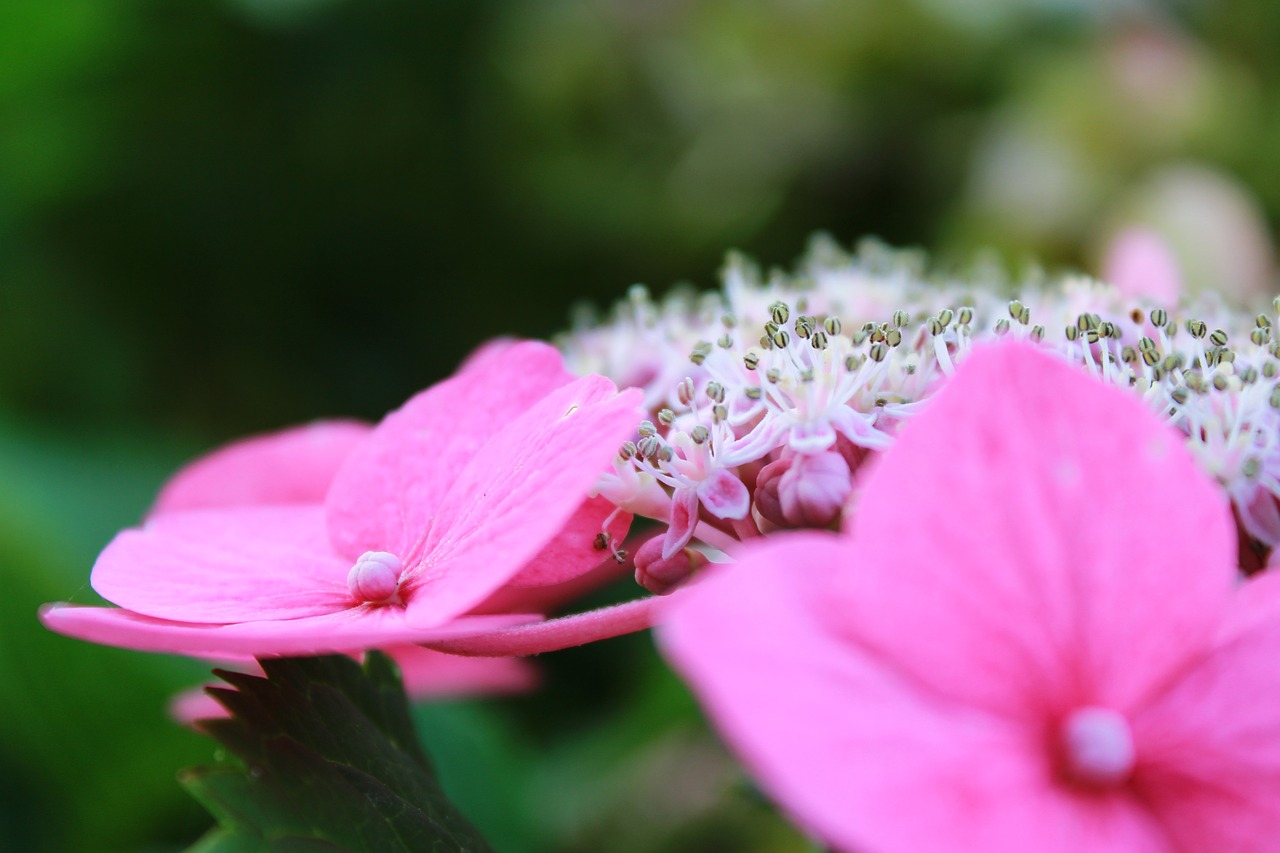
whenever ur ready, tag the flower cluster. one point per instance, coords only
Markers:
(766, 397)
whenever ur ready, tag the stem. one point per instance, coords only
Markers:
(715, 537)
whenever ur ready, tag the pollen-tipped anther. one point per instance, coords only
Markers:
(375, 578)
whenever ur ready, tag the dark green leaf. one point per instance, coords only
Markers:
(330, 762)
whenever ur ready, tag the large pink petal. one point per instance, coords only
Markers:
(389, 490)
(1209, 748)
(867, 756)
(1036, 539)
(349, 630)
(291, 466)
(226, 565)
(516, 495)
(573, 551)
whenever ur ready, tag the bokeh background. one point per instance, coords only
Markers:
(225, 216)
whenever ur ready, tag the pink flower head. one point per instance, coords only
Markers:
(1033, 638)
(474, 483)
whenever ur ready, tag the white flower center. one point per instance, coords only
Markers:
(375, 578)
(1097, 747)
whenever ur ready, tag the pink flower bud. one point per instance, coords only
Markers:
(375, 577)
(660, 576)
(767, 502)
(813, 490)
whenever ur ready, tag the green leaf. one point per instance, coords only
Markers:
(328, 761)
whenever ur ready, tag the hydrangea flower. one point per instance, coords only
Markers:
(1031, 635)
(297, 466)
(767, 396)
(478, 482)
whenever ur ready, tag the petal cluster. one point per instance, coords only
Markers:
(1030, 636)
(338, 537)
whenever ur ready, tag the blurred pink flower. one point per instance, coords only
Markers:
(1033, 638)
(478, 482)
(1141, 265)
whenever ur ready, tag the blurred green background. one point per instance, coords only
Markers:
(224, 216)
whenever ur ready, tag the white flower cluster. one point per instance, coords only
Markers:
(768, 393)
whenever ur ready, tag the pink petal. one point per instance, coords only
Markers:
(1209, 748)
(291, 466)
(426, 674)
(573, 551)
(1256, 602)
(681, 524)
(865, 755)
(555, 634)
(226, 565)
(515, 496)
(1036, 538)
(724, 495)
(430, 674)
(385, 497)
(350, 630)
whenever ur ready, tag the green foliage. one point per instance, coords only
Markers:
(328, 760)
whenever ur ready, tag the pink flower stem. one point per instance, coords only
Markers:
(556, 634)
(745, 528)
(715, 537)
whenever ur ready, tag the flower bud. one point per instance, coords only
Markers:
(375, 577)
(814, 489)
(766, 498)
(661, 576)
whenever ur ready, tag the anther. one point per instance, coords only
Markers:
(627, 450)
(945, 316)
(715, 392)
(751, 360)
(666, 417)
(831, 326)
(780, 339)
(965, 316)
(773, 375)
(779, 312)
(1002, 326)
(646, 428)
(1159, 317)
(701, 350)
(1263, 321)
(893, 337)
(804, 326)
(878, 352)
(700, 434)
(720, 413)
(1072, 333)
(818, 340)
(1218, 338)
(902, 318)
(754, 392)
(1137, 316)
(724, 342)
(1197, 328)
(685, 391)
(648, 446)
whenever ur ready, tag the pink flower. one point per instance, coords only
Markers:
(478, 482)
(1033, 638)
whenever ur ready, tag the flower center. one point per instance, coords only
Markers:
(1097, 747)
(375, 578)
